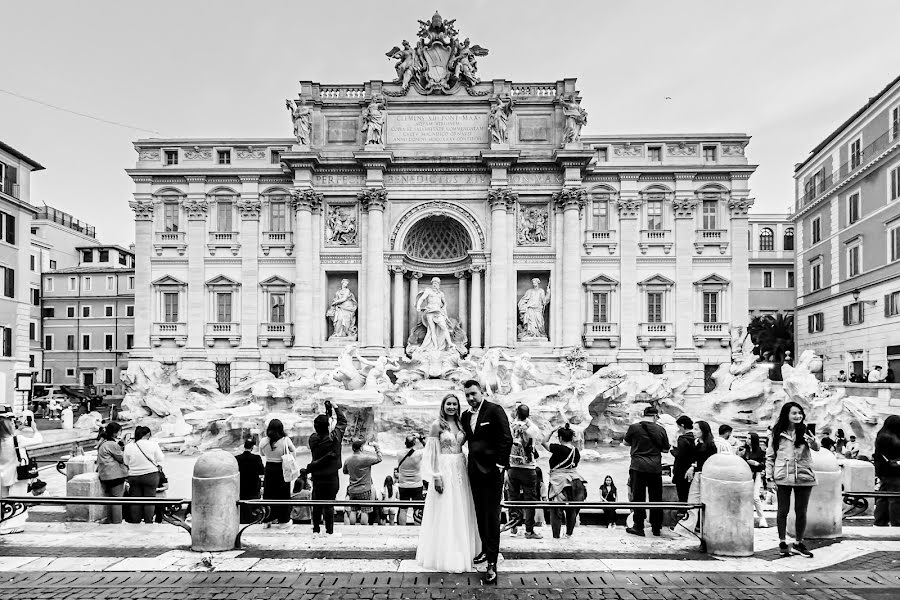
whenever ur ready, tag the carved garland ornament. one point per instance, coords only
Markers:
(148, 154)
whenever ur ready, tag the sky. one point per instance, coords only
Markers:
(786, 73)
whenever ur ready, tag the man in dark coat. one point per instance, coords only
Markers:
(250, 469)
(490, 442)
(325, 448)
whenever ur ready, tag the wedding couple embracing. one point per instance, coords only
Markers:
(461, 522)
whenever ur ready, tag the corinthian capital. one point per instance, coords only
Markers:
(373, 198)
(628, 207)
(684, 207)
(196, 209)
(572, 197)
(306, 200)
(250, 209)
(143, 209)
(740, 206)
(503, 198)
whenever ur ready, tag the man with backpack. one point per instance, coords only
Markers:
(522, 474)
(648, 441)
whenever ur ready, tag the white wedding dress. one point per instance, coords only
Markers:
(449, 539)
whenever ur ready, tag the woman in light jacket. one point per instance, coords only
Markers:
(789, 467)
(143, 459)
(111, 468)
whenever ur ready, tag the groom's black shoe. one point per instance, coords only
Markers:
(490, 576)
(480, 559)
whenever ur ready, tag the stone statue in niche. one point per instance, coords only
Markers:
(435, 333)
(373, 121)
(301, 115)
(340, 226)
(531, 312)
(576, 118)
(533, 224)
(501, 110)
(342, 313)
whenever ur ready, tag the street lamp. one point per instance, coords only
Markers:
(856, 298)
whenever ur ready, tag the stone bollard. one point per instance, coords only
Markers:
(67, 417)
(727, 491)
(670, 494)
(84, 463)
(214, 511)
(826, 504)
(859, 476)
(85, 485)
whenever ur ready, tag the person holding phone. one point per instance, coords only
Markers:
(789, 466)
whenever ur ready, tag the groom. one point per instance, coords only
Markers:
(490, 442)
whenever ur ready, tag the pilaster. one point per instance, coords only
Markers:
(739, 206)
(142, 205)
(249, 207)
(684, 207)
(304, 202)
(501, 200)
(631, 303)
(373, 201)
(571, 201)
(196, 208)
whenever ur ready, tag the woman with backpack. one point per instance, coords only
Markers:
(566, 484)
(789, 466)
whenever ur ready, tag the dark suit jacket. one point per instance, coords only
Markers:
(250, 468)
(491, 441)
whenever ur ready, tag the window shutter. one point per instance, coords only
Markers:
(7, 341)
(809, 323)
(9, 283)
(887, 305)
(846, 315)
(10, 229)
(862, 312)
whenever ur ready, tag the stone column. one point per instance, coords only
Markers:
(304, 202)
(249, 207)
(373, 201)
(143, 246)
(463, 299)
(630, 302)
(475, 336)
(197, 208)
(500, 199)
(571, 200)
(739, 205)
(414, 278)
(398, 316)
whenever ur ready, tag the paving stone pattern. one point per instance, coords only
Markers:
(392, 586)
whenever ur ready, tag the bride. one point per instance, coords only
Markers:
(448, 540)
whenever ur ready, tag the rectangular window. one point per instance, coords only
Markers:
(815, 322)
(276, 157)
(32, 331)
(108, 341)
(600, 215)
(35, 297)
(892, 304)
(654, 214)
(48, 284)
(224, 157)
(817, 276)
(48, 375)
(123, 259)
(70, 342)
(87, 256)
(853, 314)
(895, 183)
(655, 369)
(48, 342)
(87, 284)
(602, 154)
(72, 284)
(129, 341)
(276, 369)
(129, 310)
(790, 279)
(170, 307)
(70, 312)
(654, 153)
(853, 208)
(278, 216)
(86, 341)
(709, 153)
(171, 157)
(223, 307)
(86, 312)
(8, 223)
(131, 282)
(70, 372)
(223, 216)
(104, 256)
(710, 214)
(894, 242)
(853, 262)
(600, 310)
(710, 307)
(654, 307)
(7, 341)
(52, 264)
(816, 230)
(108, 311)
(855, 153)
(767, 279)
(9, 282)
(277, 312)
(33, 262)
(110, 282)
(170, 216)
(107, 375)
(48, 312)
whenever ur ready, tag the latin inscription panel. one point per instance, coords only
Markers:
(454, 128)
(534, 129)
(341, 130)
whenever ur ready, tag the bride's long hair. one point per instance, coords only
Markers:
(445, 419)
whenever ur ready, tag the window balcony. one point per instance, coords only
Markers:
(176, 332)
(170, 239)
(226, 240)
(283, 332)
(222, 331)
(662, 332)
(712, 331)
(711, 237)
(656, 237)
(11, 189)
(595, 239)
(601, 332)
(277, 239)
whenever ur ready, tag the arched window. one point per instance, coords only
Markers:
(767, 239)
(789, 238)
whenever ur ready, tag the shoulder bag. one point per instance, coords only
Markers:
(290, 470)
(27, 467)
(163, 484)
(397, 468)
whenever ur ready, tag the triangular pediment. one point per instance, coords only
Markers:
(657, 280)
(714, 279)
(601, 280)
(222, 280)
(276, 281)
(168, 280)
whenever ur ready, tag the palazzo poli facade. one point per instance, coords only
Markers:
(256, 254)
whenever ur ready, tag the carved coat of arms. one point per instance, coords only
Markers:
(439, 62)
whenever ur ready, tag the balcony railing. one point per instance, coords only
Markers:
(857, 162)
(276, 331)
(230, 331)
(11, 189)
(277, 239)
(711, 237)
(712, 331)
(601, 332)
(224, 239)
(655, 237)
(170, 239)
(169, 331)
(593, 239)
(65, 219)
(664, 332)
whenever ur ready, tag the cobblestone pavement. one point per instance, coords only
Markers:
(390, 586)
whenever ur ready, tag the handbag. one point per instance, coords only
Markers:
(163, 483)
(27, 467)
(290, 470)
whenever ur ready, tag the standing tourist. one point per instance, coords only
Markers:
(566, 484)
(840, 442)
(876, 375)
(275, 445)
(111, 469)
(887, 468)
(648, 441)
(143, 458)
(359, 467)
(521, 473)
(851, 450)
(756, 458)
(389, 492)
(705, 447)
(789, 466)
(325, 447)
(608, 493)
(409, 475)
(250, 470)
(683, 452)
(12, 447)
(723, 440)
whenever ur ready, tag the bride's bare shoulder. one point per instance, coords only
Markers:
(435, 429)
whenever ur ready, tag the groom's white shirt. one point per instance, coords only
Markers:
(473, 418)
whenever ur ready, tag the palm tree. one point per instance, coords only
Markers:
(772, 336)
